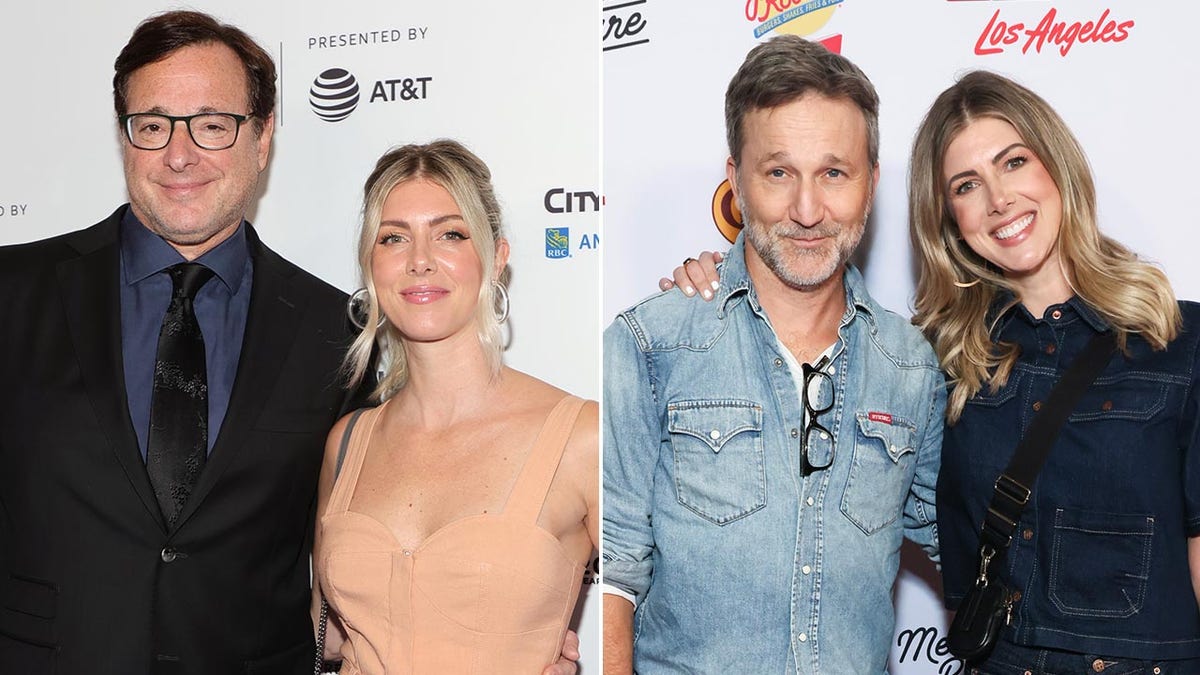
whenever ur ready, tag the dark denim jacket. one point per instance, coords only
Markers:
(1100, 555)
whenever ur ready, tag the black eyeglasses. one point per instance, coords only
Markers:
(816, 448)
(211, 131)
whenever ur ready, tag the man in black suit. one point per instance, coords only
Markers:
(201, 567)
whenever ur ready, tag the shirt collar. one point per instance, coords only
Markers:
(144, 254)
(736, 283)
(1074, 305)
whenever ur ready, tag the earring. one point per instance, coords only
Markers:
(357, 310)
(968, 284)
(502, 293)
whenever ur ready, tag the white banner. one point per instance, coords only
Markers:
(1119, 72)
(518, 82)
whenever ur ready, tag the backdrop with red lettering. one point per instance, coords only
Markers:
(1121, 73)
(518, 82)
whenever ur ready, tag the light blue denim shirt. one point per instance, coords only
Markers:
(738, 563)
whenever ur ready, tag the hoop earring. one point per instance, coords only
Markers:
(967, 284)
(502, 293)
(356, 310)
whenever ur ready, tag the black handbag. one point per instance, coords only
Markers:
(320, 665)
(987, 606)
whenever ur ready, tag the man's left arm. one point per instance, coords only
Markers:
(920, 511)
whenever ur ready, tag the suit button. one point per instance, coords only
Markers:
(169, 555)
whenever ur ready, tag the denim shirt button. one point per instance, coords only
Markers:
(1098, 665)
(714, 434)
(809, 501)
(795, 432)
(778, 362)
(1050, 348)
(1037, 405)
(803, 637)
(806, 569)
(1027, 534)
(1056, 315)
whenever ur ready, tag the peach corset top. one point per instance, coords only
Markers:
(489, 593)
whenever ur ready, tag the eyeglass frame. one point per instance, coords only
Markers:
(810, 372)
(187, 123)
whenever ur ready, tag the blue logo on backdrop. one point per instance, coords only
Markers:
(334, 95)
(558, 242)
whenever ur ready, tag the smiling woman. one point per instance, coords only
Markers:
(1016, 279)
(455, 536)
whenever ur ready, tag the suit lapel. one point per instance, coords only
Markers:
(90, 289)
(271, 324)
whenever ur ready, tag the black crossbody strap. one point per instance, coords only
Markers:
(1014, 486)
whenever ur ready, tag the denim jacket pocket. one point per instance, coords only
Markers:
(1099, 562)
(880, 471)
(720, 473)
(1126, 397)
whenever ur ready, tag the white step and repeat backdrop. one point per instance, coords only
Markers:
(517, 81)
(1123, 74)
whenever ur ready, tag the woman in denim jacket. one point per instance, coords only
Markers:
(1015, 279)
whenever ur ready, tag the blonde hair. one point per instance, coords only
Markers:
(452, 166)
(1132, 295)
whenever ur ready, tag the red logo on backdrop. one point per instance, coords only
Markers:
(999, 34)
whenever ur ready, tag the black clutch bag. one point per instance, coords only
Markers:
(984, 610)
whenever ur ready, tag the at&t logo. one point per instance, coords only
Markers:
(334, 95)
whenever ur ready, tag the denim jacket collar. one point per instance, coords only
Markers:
(1074, 305)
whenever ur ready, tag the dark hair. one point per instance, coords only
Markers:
(159, 36)
(786, 68)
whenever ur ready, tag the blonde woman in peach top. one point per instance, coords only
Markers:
(466, 504)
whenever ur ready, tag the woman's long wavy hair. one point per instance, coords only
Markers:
(452, 166)
(1132, 295)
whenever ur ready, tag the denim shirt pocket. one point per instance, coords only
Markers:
(1130, 397)
(720, 474)
(1099, 562)
(880, 472)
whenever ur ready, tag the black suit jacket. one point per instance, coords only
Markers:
(91, 580)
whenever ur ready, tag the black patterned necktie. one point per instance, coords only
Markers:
(177, 446)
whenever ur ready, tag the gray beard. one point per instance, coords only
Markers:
(816, 265)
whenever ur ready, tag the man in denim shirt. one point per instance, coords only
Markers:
(754, 503)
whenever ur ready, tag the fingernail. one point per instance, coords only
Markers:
(716, 285)
(707, 294)
(689, 291)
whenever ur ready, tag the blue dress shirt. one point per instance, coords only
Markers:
(221, 306)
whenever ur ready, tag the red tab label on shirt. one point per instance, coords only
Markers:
(879, 417)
